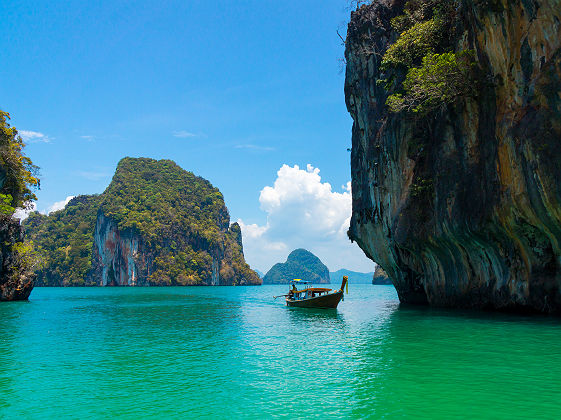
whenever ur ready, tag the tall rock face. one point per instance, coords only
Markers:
(300, 264)
(119, 257)
(462, 207)
(155, 225)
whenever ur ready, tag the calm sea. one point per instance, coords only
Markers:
(234, 352)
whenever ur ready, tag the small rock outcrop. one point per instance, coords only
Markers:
(380, 277)
(462, 206)
(300, 264)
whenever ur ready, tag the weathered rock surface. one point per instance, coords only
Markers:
(16, 280)
(119, 257)
(462, 209)
(300, 264)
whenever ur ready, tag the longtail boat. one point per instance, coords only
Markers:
(313, 297)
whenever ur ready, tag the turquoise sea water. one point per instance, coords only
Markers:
(227, 352)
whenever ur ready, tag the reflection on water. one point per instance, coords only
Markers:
(236, 352)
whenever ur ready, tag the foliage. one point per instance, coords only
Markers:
(434, 75)
(413, 44)
(18, 174)
(28, 256)
(442, 79)
(6, 204)
(64, 239)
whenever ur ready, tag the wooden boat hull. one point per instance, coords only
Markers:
(326, 301)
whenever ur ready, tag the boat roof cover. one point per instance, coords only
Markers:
(300, 281)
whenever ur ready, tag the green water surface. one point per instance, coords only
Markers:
(234, 352)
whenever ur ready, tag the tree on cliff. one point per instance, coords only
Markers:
(18, 175)
(435, 74)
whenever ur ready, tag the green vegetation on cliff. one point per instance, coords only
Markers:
(435, 74)
(18, 175)
(300, 264)
(441, 79)
(152, 196)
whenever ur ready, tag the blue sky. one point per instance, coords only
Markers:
(229, 90)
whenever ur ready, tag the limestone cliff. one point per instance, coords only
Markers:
(155, 225)
(462, 207)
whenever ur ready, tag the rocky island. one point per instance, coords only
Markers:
(456, 157)
(155, 225)
(300, 264)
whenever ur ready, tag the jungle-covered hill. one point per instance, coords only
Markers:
(300, 264)
(155, 224)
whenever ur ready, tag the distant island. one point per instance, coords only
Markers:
(300, 264)
(155, 225)
(379, 277)
(355, 277)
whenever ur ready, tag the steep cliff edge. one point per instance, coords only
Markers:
(155, 225)
(461, 205)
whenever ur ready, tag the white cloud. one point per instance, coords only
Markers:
(59, 205)
(23, 214)
(88, 138)
(303, 212)
(182, 134)
(34, 137)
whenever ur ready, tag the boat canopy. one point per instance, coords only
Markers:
(300, 281)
